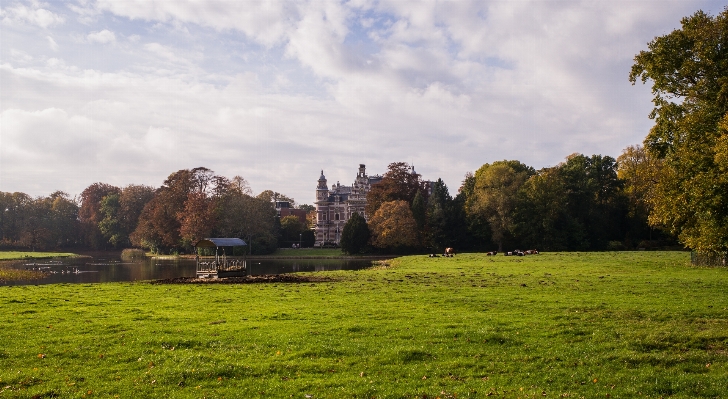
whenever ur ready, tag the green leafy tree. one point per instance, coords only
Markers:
(110, 226)
(441, 229)
(355, 236)
(291, 230)
(689, 72)
(90, 214)
(419, 212)
(494, 196)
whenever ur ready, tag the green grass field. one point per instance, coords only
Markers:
(17, 255)
(578, 325)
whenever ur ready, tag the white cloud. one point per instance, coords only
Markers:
(34, 15)
(103, 37)
(52, 44)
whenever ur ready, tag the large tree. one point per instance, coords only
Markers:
(90, 214)
(399, 183)
(689, 72)
(393, 227)
(494, 195)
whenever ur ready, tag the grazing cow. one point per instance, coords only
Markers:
(449, 252)
(531, 252)
(492, 253)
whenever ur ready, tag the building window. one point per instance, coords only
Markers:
(336, 216)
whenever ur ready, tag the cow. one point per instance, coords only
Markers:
(492, 253)
(449, 252)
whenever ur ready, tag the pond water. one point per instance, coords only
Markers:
(108, 268)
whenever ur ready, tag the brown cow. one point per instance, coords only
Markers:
(449, 252)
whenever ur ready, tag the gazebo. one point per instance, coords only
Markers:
(220, 265)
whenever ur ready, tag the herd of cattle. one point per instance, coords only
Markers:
(449, 252)
(517, 252)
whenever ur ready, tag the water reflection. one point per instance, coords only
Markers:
(108, 268)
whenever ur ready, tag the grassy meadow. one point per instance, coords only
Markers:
(578, 325)
(23, 255)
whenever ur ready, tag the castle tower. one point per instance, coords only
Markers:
(322, 190)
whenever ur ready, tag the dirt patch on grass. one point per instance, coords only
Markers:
(269, 278)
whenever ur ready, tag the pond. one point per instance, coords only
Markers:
(108, 268)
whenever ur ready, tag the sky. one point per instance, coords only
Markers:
(128, 92)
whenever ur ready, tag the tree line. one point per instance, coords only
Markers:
(191, 204)
(584, 203)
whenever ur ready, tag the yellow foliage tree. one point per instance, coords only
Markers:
(393, 226)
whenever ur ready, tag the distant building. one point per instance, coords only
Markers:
(283, 209)
(334, 207)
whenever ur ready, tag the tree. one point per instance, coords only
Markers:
(109, 225)
(419, 212)
(251, 218)
(393, 226)
(132, 200)
(90, 214)
(291, 230)
(197, 219)
(159, 226)
(494, 196)
(689, 72)
(400, 183)
(273, 197)
(308, 208)
(441, 227)
(640, 173)
(355, 236)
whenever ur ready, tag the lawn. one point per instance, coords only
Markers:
(17, 255)
(630, 324)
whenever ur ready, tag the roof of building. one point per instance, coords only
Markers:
(220, 242)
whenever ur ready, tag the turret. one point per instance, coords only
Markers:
(322, 190)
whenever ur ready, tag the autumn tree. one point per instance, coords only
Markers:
(393, 227)
(399, 183)
(355, 236)
(159, 226)
(132, 200)
(688, 69)
(197, 218)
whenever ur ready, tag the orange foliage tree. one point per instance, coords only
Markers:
(393, 226)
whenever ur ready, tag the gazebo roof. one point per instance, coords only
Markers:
(220, 242)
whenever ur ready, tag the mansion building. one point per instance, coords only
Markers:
(334, 207)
